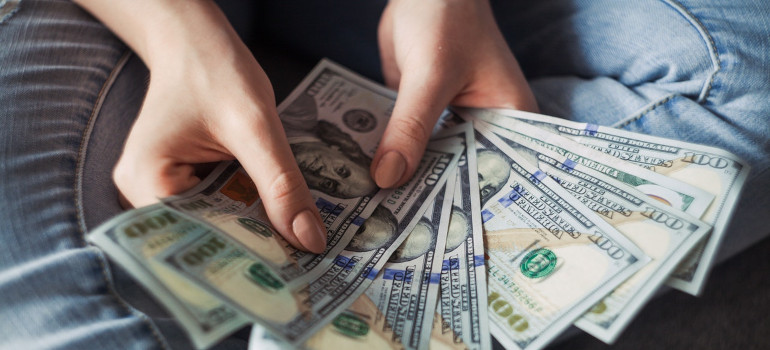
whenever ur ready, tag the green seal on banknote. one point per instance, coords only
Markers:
(262, 276)
(599, 308)
(255, 227)
(350, 325)
(538, 263)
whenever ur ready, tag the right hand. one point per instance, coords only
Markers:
(209, 100)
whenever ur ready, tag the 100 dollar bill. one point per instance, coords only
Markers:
(463, 299)
(675, 193)
(549, 258)
(228, 200)
(333, 120)
(663, 233)
(711, 169)
(361, 324)
(134, 238)
(405, 292)
(294, 310)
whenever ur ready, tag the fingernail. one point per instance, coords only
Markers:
(390, 169)
(309, 231)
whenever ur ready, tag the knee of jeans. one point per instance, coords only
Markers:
(673, 53)
(8, 8)
(654, 47)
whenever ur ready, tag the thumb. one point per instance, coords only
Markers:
(142, 182)
(264, 153)
(421, 99)
(158, 157)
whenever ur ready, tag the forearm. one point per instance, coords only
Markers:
(156, 28)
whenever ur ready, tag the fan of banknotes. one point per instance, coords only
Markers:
(515, 225)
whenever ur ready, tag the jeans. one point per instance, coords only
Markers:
(69, 91)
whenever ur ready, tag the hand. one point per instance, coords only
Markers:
(436, 53)
(209, 100)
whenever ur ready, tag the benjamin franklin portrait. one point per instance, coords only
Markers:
(493, 173)
(330, 160)
(378, 231)
(420, 241)
(459, 229)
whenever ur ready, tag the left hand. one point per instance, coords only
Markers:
(436, 53)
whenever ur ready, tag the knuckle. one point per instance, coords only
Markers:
(412, 130)
(287, 187)
(121, 175)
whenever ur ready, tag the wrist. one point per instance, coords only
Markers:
(190, 29)
(160, 30)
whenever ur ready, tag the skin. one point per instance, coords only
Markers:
(209, 100)
(437, 53)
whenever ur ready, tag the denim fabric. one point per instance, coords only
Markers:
(55, 290)
(69, 90)
(697, 71)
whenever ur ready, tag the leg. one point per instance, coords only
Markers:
(56, 289)
(70, 91)
(682, 70)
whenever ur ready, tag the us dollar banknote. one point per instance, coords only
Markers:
(134, 238)
(333, 120)
(716, 171)
(396, 310)
(294, 310)
(407, 289)
(228, 200)
(360, 325)
(666, 235)
(463, 298)
(444, 339)
(675, 193)
(549, 258)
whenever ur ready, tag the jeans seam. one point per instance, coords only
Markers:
(710, 44)
(86, 137)
(8, 8)
(107, 276)
(647, 109)
(102, 260)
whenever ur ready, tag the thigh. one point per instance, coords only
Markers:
(690, 70)
(56, 292)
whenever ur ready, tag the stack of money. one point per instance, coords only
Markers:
(515, 225)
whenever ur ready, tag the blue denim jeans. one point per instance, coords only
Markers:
(69, 91)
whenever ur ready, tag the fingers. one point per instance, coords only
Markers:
(151, 165)
(390, 70)
(262, 149)
(497, 81)
(421, 99)
(166, 142)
